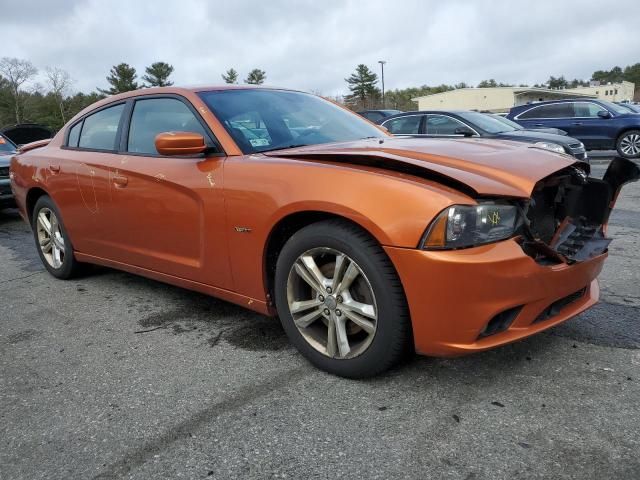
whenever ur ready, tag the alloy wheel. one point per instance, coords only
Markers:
(332, 303)
(630, 144)
(50, 237)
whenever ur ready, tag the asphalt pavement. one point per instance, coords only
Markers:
(116, 376)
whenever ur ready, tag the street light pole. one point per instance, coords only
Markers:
(382, 62)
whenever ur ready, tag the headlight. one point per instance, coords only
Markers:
(554, 147)
(462, 226)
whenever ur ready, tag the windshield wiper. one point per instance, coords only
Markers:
(284, 147)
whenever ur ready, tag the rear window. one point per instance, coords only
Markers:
(74, 135)
(100, 129)
(554, 110)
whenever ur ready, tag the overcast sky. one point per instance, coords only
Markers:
(314, 44)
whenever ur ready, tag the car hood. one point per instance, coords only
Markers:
(480, 167)
(536, 136)
(5, 158)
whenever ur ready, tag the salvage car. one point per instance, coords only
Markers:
(364, 244)
(7, 148)
(465, 123)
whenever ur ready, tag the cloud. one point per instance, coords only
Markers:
(314, 45)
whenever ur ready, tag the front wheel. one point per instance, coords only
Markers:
(628, 145)
(340, 300)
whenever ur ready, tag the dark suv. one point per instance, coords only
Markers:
(600, 125)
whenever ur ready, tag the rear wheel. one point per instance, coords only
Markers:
(628, 144)
(52, 241)
(340, 300)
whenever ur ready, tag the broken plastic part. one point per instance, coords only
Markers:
(567, 214)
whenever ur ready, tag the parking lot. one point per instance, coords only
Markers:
(113, 375)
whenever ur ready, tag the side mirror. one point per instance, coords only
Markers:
(604, 114)
(180, 143)
(466, 131)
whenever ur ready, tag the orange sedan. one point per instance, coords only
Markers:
(365, 245)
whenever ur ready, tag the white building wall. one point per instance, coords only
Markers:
(614, 92)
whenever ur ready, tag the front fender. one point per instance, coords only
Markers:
(260, 192)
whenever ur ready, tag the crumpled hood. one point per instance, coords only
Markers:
(488, 167)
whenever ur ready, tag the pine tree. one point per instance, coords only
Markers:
(256, 77)
(231, 76)
(362, 84)
(157, 75)
(122, 78)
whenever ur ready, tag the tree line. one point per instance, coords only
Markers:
(22, 99)
(365, 94)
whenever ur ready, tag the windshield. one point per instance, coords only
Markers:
(629, 107)
(486, 122)
(262, 120)
(506, 121)
(6, 145)
(613, 107)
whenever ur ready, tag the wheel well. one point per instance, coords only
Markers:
(283, 231)
(626, 130)
(32, 197)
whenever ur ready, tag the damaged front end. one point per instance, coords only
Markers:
(565, 219)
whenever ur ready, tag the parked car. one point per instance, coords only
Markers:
(364, 244)
(600, 125)
(463, 123)
(517, 126)
(377, 116)
(7, 148)
(632, 107)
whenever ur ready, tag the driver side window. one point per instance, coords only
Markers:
(408, 125)
(443, 125)
(157, 115)
(587, 109)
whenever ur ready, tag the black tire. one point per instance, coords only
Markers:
(392, 337)
(70, 267)
(627, 135)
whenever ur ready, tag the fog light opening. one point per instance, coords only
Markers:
(500, 322)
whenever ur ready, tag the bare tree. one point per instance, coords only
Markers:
(59, 82)
(17, 72)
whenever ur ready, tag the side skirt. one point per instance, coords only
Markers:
(256, 305)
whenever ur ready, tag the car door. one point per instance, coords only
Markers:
(167, 212)
(551, 115)
(83, 161)
(589, 127)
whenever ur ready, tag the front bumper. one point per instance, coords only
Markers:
(453, 295)
(6, 195)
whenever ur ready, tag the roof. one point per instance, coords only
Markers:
(516, 91)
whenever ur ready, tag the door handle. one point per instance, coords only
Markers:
(120, 180)
(538, 124)
(54, 168)
(577, 123)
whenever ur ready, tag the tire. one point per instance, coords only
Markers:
(628, 144)
(372, 309)
(62, 264)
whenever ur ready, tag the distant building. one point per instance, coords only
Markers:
(614, 92)
(493, 99)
